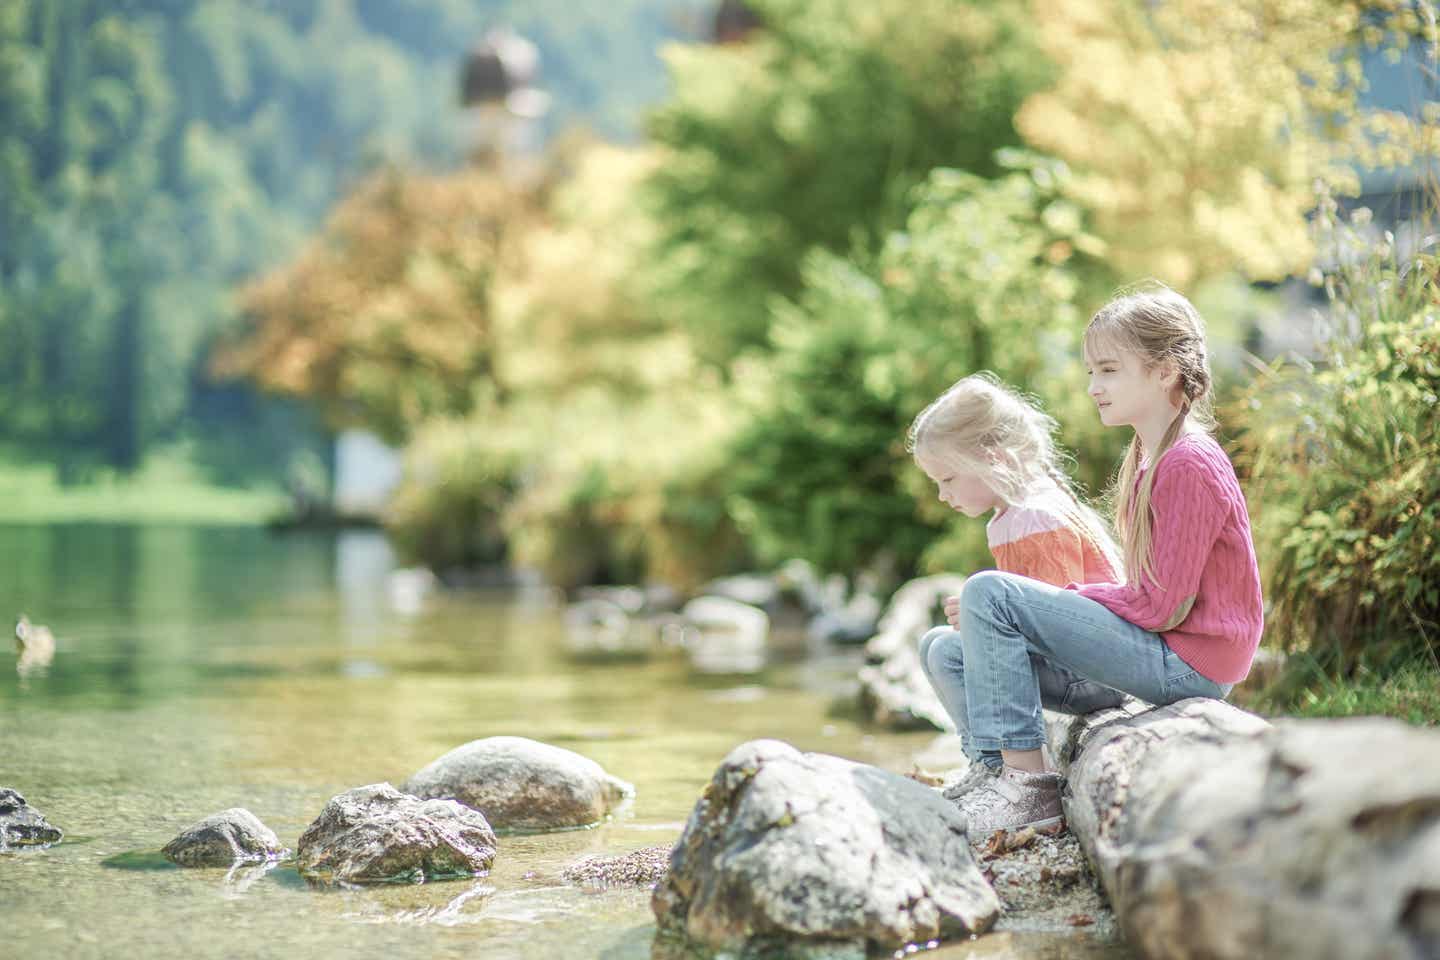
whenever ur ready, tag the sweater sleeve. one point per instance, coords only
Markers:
(1187, 515)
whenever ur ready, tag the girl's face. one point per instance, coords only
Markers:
(1126, 393)
(959, 488)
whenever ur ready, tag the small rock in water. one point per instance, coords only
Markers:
(376, 834)
(222, 839)
(21, 825)
(522, 784)
(643, 867)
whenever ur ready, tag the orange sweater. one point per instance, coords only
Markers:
(1039, 541)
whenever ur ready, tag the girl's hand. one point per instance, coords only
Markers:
(952, 611)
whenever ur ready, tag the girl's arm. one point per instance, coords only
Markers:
(1188, 511)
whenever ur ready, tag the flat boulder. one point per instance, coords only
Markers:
(522, 784)
(21, 825)
(224, 839)
(376, 834)
(811, 855)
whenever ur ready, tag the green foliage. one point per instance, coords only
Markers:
(459, 477)
(986, 275)
(1344, 464)
(156, 152)
(813, 134)
(1306, 689)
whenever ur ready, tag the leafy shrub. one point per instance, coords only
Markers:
(1343, 456)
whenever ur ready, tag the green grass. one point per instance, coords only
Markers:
(1410, 693)
(167, 488)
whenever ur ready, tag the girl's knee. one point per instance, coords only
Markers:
(982, 586)
(944, 654)
(927, 640)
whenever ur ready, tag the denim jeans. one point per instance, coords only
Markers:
(1023, 644)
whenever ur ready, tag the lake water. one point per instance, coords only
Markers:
(200, 668)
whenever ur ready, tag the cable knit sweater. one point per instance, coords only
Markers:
(1205, 597)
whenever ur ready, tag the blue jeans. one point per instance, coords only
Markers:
(1023, 644)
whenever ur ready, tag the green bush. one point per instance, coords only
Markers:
(987, 275)
(813, 135)
(458, 479)
(1343, 456)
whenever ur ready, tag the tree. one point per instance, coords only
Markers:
(812, 135)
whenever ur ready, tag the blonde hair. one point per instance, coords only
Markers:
(1156, 325)
(984, 427)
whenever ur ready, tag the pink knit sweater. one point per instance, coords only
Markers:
(1204, 562)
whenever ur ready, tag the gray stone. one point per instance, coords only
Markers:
(643, 867)
(1218, 835)
(376, 834)
(522, 784)
(223, 839)
(811, 854)
(894, 692)
(725, 636)
(897, 696)
(755, 589)
(913, 609)
(21, 825)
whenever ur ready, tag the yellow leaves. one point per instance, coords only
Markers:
(1191, 125)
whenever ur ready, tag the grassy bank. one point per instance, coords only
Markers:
(1410, 693)
(167, 488)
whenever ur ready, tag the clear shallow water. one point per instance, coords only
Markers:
(203, 668)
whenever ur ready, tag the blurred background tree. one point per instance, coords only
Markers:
(157, 152)
(812, 133)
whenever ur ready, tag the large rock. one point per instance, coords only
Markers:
(896, 695)
(1217, 835)
(894, 692)
(21, 825)
(522, 784)
(913, 609)
(376, 834)
(807, 853)
(223, 839)
(725, 636)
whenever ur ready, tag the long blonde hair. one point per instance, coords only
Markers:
(1156, 325)
(982, 426)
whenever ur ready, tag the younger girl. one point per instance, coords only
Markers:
(1185, 621)
(987, 449)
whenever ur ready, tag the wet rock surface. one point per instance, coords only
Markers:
(522, 784)
(643, 867)
(376, 834)
(223, 839)
(21, 825)
(814, 855)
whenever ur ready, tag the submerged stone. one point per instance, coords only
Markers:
(522, 784)
(643, 867)
(21, 825)
(222, 839)
(376, 834)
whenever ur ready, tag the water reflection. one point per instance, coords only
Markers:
(204, 668)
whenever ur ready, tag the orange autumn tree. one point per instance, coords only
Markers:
(386, 318)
